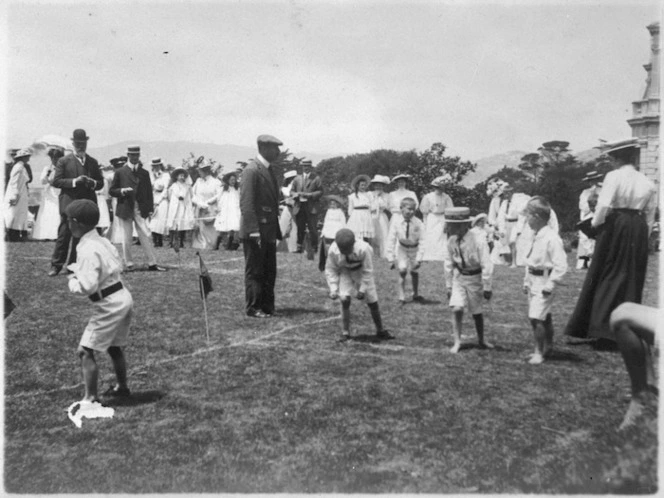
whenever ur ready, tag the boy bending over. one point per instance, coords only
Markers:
(349, 267)
(468, 273)
(97, 275)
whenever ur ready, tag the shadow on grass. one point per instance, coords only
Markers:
(289, 312)
(136, 399)
(424, 301)
(370, 338)
(563, 356)
(496, 347)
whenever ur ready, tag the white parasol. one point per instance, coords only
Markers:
(49, 141)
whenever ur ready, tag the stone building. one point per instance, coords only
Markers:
(645, 120)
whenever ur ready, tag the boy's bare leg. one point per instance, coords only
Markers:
(457, 322)
(479, 327)
(119, 365)
(90, 372)
(415, 276)
(540, 337)
(548, 336)
(345, 317)
(375, 316)
(402, 286)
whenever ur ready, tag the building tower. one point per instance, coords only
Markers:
(645, 120)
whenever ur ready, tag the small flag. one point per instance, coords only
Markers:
(204, 280)
(9, 305)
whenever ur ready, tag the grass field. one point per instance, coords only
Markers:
(278, 405)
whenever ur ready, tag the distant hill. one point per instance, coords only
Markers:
(487, 166)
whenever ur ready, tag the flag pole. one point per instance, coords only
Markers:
(207, 327)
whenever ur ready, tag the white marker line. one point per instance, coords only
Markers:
(175, 358)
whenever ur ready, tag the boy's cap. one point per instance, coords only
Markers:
(457, 215)
(345, 238)
(84, 211)
(268, 139)
(339, 200)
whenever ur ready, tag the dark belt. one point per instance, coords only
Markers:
(470, 273)
(628, 211)
(105, 292)
(361, 207)
(409, 247)
(511, 219)
(539, 273)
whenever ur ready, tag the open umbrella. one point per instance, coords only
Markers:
(47, 141)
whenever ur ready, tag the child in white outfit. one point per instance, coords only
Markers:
(335, 220)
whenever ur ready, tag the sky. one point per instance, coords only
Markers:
(335, 77)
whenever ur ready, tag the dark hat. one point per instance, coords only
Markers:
(118, 162)
(592, 175)
(176, 172)
(339, 200)
(457, 215)
(80, 136)
(620, 148)
(84, 211)
(268, 139)
(345, 238)
(133, 149)
(358, 179)
(228, 175)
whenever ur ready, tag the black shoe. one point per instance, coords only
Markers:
(68, 271)
(117, 392)
(344, 338)
(257, 314)
(54, 271)
(268, 314)
(156, 268)
(418, 299)
(384, 334)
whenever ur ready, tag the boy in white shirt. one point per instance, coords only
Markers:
(468, 273)
(349, 268)
(96, 274)
(546, 263)
(405, 248)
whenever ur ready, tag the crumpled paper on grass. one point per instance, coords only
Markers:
(88, 409)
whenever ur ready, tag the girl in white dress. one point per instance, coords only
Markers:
(48, 216)
(205, 193)
(359, 209)
(286, 222)
(335, 220)
(180, 208)
(227, 222)
(395, 197)
(433, 208)
(379, 213)
(160, 183)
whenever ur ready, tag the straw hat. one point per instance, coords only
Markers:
(359, 178)
(457, 215)
(385, 180)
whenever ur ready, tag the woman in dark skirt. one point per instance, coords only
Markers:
(625, 211)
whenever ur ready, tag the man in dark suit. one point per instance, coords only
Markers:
(259, 227)
(133, 189)
(77, 176)
(307, 190)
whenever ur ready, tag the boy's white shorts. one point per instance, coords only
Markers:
(349, 283)
(467, 291)
(109, 323)
(406, 258)
(538, 305)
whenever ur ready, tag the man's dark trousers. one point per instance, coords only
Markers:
(304, 220)
(260, 275)
(62, 245)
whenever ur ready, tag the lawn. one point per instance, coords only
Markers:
(278, 405)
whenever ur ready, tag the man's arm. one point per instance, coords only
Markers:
(59, 178)
(247, 200)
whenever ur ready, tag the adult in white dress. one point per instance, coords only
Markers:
(359, 209)
(379, 213)
(16, 197)
(48, 216)
(512, 221)
(104, 223)
(587, 245)
(395, 197)
(433, 208)
(115, 234)
(160, 183)
(496, 189)
(227, 222)
(287, 223)
(204, 195)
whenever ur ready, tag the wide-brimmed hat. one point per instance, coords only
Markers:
(133, 149)
(358, 179)
(204, 165)
(268, 139)
(176, 172)
(442, 180)
(24, 152)
(401, 176)
(476, 219)
(620, 146)
(290, 174)
(228, 175)
(337, 198)
(385, 180)
(457, 215)
(79, 135)
(592, 175)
